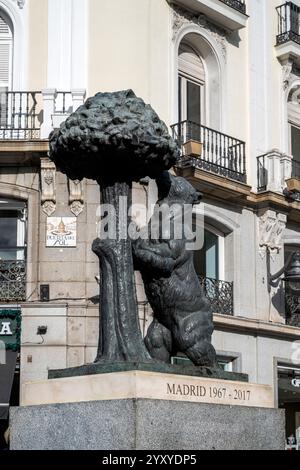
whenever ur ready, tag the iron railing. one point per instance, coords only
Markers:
(221, 154)
(238, 5)
(288, 23)
(20, 114)
(262, 174)
(219, 293)
(12, 281)
(63, 102)
(292, 306)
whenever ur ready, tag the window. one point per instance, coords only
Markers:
(191, 85)
(6, 55)
(209, 260)
(12, 230)
(289, 399)
(227, 364)
(6, 46)
(295, 142)
(294, 123)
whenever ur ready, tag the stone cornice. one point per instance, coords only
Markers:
(255, 327)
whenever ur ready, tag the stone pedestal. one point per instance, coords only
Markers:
(146, 410)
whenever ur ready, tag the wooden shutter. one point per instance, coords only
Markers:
(6, 40)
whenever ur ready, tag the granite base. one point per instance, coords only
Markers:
(135, 424)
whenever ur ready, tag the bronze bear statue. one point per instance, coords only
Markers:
(183, 320)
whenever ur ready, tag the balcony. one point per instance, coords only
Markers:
(220, 295)
(229, 14)
(275, 170)
(288, 36)
(218, 153)
(12, 281)
(238, 5)
(32, 115)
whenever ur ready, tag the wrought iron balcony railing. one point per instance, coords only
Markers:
(219, 293)
(292, 307)
(263, 177)
(288, 23)
(20, 114)
(238, 5)
(262, 174)
(12, 281)
(220, 153)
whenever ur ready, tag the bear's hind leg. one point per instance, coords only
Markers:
(158, 341)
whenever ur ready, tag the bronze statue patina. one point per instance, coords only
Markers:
(115, 139)
(182, 315)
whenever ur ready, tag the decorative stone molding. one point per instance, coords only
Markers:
(48, 186)
(76, 196)
(287, 69)
(49, 97)
(271, 229)
(78, 97)
(183, 17)
(278, 168)
(20, 3)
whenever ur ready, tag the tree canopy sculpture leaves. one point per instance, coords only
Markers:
(113, 135)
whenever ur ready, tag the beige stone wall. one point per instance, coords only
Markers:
(129, 47)
(37, 44)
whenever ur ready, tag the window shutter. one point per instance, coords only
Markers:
(6, 40)
(190, 63)
(4, 63)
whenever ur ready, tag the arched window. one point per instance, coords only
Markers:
(199, 79)
(191, 86)
(6, 52)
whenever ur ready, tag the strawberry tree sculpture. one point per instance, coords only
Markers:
(115, 139)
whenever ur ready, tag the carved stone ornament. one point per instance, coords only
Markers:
(183, 17)
(20, 3)
(271, 228)
(48, 186)
(287, 74)
(76, 196)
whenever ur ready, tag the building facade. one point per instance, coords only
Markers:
(225, 77)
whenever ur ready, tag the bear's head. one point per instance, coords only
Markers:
(176, 190)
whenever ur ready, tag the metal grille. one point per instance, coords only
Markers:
(288, 23)
(20, 115)
(292, 307)
(236, 4)
(262, 174)
(63, 102)
(221, 154)
(12, 281)
(219, 293)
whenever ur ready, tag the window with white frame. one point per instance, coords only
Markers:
(6, 59)
(294, 123)
(12, 230)
(209, 261)
(6, 53)
(191, 86)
